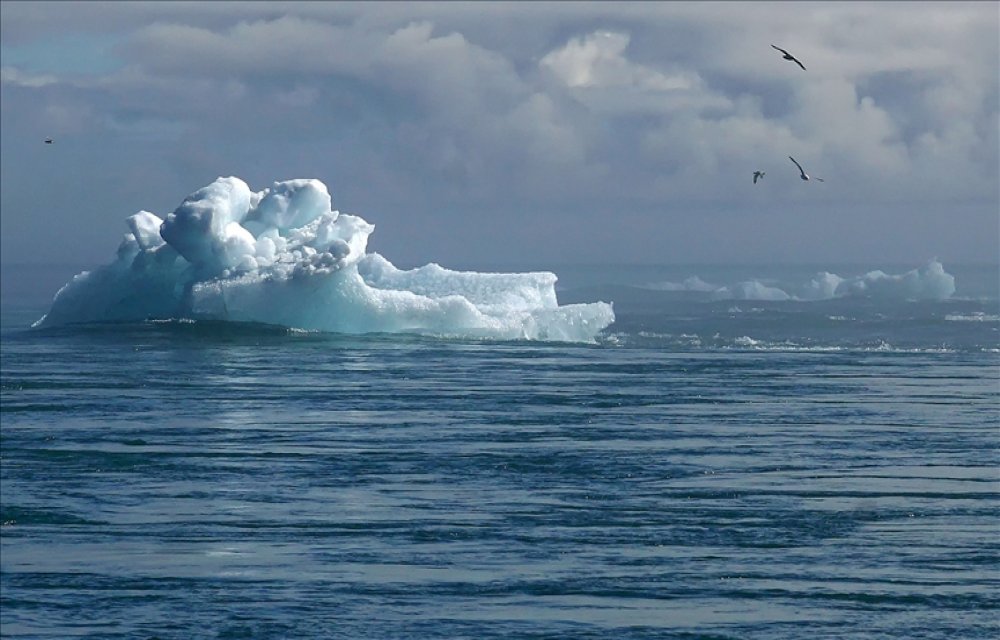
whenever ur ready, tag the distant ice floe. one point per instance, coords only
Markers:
(283, 256)
(977, 316)
(930, 282)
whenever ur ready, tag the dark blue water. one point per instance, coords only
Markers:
(708, 469)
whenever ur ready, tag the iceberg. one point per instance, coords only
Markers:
(284, 256)
(929, 282)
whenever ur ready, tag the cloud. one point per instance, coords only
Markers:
(13, 76)
(446, 109)
(598, 60)
(435, 111)
(597, 72)
(250, 48)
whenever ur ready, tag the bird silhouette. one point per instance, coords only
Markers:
(803, 174)
(756, 175)
(48, 141)
(789, 56)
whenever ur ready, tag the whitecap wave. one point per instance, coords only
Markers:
(790, 346)
(977, 316)
(284, 256)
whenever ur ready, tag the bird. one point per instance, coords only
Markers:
(789, 56)
(803, 174)
(756, 175)
(48, 141)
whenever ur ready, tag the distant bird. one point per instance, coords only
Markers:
(48, 141)
(803, 174)
(789, 56)
(756, 175)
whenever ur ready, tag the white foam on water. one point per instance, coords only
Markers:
(976, 316)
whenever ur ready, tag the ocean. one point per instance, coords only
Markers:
(727, 460)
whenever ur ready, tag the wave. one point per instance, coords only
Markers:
(746, 343)
(976, 316)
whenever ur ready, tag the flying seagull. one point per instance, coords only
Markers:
(756, 175)
(803, 174)
(48, 141)
(789, 56)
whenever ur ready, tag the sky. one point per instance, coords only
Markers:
(475, 133)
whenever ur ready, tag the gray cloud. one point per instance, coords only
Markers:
(453, 120)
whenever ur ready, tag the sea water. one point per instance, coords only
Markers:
(711, 466)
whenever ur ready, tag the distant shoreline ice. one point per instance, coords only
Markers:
(930, 282)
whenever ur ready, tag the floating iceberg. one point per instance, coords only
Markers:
(930, 282)
(284, 256)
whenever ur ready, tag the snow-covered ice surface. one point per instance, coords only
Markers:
(284, 256)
